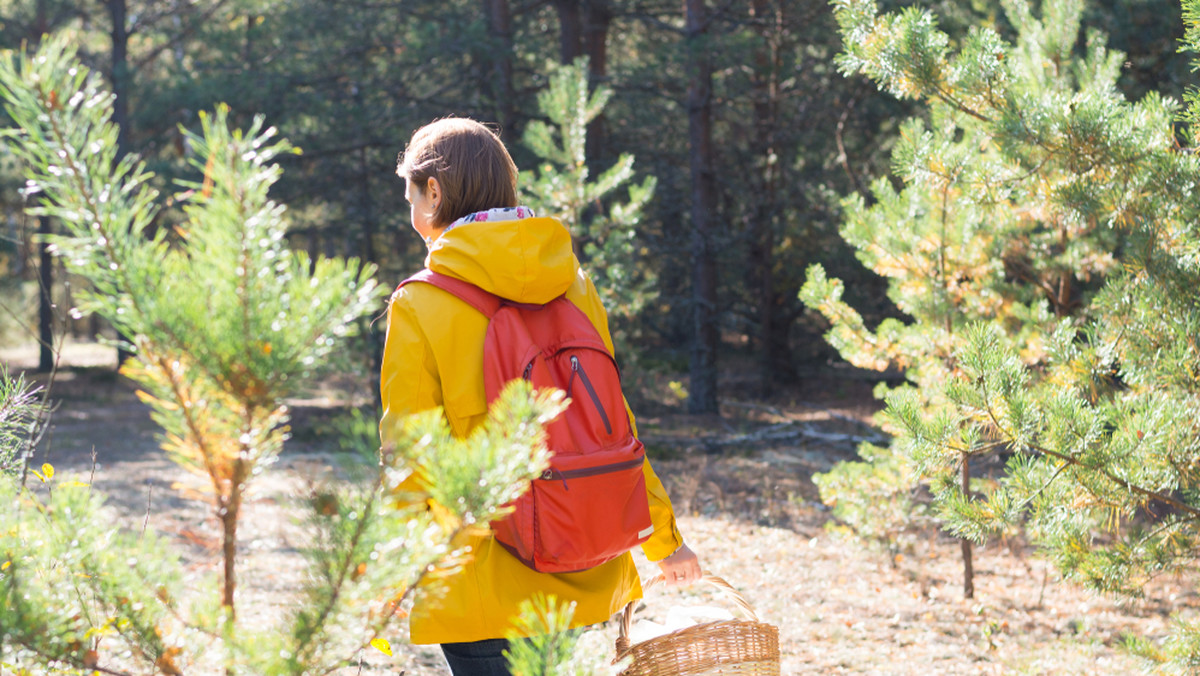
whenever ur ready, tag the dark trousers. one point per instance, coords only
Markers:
(477, 658)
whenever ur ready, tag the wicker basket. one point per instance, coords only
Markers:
(742, 647)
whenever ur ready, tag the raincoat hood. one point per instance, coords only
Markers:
(528, 260)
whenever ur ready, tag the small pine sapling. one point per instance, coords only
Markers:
(604, 231)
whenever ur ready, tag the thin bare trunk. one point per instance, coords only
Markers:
(248, 46)
(121, 85)
(943, 272)
(763, 217)
(45, 258)
(702, 397)
(570, 33)
(367, 203)
(597, 20)
(119, 76)
(46, 298)
(230, 507)
(1062, 296)
(968, 567)
(500, 76)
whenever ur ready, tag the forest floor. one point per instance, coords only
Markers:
(742, 486)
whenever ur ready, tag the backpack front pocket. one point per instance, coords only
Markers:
(589, 509)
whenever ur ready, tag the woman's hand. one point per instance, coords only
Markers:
(682, 567)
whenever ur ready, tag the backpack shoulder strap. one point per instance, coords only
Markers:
(472, 295)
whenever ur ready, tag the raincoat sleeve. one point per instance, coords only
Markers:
(666, 538)
(408, 380)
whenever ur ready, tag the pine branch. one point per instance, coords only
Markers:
(305, 639)
(1129, 485)
(73, 661)
(1147, 493)
(1057, 473)
(187, 32)
(949, 99)
(189, 413)
(49, 103)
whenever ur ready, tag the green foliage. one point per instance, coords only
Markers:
(73, 585)
(226, 314)
(541, 639)
(478, 471)
(228, 304)
(541, 642)
(19, 413)
(226, 322)
(1044, 247)
(348, 82)
(373, 546)
(1021, 188)
(1191, 43)
(875, 497)
(605, 234)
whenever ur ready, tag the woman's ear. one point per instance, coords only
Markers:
(433, 190)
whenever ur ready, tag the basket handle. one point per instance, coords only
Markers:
(713, 580)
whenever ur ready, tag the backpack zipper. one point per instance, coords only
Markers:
(587, 384)
(551, 473)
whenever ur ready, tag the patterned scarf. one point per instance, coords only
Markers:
(497, 214)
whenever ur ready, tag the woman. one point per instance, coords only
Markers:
(461, 184)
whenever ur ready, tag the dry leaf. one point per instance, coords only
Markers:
(382, 646)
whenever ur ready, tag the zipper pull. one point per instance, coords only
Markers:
(574, 371)
(577, 368)
(549, 475)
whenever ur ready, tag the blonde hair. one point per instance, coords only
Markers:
(470, 163)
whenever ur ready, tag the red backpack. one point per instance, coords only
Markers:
(590, 506)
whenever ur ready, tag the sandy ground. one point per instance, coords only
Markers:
(749, 509)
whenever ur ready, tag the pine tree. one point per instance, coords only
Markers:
(1002, 216)
(1044, 246)
(225, 323)
(605, 232)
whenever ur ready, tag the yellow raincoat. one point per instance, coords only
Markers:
(434, 356)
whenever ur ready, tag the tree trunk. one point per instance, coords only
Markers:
(367, 204)
(120, 79)
(45, 259)
(248, 45)
(229, 507)
(570, 30)
(597, 20)
(46, 298)
(41, 21)
(968, 567)
(783, 360)
(500, 75)
(764, 214)
(229, 510)
(702, 396)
